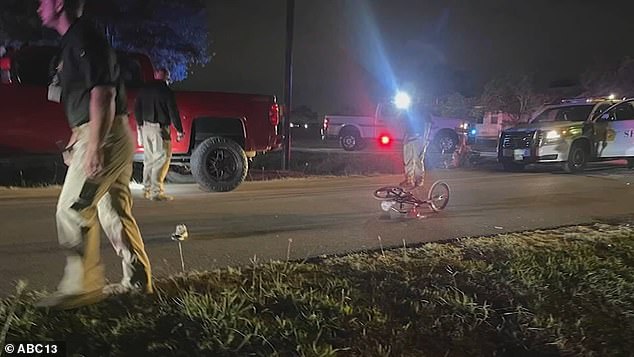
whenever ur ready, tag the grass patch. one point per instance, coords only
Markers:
(567, 291)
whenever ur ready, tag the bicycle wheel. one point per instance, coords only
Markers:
(438, 196)
(388, 193)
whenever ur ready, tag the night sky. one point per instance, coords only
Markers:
(346, 51)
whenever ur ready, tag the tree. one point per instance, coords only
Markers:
(173, 33)
(19, 22)
(455, 105)
(606, 79)
(512, 94)
(305, 115)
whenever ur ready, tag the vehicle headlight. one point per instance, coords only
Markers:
(550, 137)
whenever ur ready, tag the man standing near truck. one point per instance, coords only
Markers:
(100, 163)
(417, 125)
(155, 111)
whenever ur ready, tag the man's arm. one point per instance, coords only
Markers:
(138, 110)
(102, 109)
(98, 66)
(175, 117)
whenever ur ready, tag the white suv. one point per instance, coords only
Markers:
(572, 133)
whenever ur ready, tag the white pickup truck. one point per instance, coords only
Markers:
(355, 132)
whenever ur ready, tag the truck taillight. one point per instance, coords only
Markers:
(325, 123)
(274, 114)
(5, 68)
(5, 64)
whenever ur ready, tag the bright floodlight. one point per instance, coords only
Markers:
(402, 100)
(612, 96)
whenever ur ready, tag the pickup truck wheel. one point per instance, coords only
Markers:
(350, 140)
(577, 159)
(446, 142)
(219, 164)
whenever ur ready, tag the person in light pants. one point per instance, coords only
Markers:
(157, 153)
(415, 141)
(99, 155)
(85, 202)
(414, 149)
(155, 111)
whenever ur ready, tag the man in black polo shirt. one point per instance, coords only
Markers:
(155, 111)
(101, 147)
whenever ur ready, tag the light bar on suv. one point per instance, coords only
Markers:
(590, 100)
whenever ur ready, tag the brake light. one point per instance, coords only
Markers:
(385, 140)
(5, 67)
(5, 64)
(274, 114)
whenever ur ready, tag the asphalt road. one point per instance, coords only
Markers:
(311, 217)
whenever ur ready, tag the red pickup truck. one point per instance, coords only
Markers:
(222, 130)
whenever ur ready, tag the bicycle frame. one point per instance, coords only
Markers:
(398, 199)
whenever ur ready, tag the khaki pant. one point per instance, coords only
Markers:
(107, 198)
(414, 158)
(157, 153)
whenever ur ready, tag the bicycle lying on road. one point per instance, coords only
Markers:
(399, 202)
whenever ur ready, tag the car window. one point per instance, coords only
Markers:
(601, 108)
(624, 111)
(388, 111)
(572, 113)
(546, 116)
(579, 113)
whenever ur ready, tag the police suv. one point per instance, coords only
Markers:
(572, 133)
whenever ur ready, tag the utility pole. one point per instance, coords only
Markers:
(288, 87)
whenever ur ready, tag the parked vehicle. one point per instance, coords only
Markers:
(572, 134)
(223, 130)
(355, 132)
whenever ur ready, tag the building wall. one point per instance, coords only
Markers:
(492, 124)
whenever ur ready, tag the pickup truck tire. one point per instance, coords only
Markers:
(446, 141)
(219, 164)
(577, 159)
(513, 166)
(350, 139)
